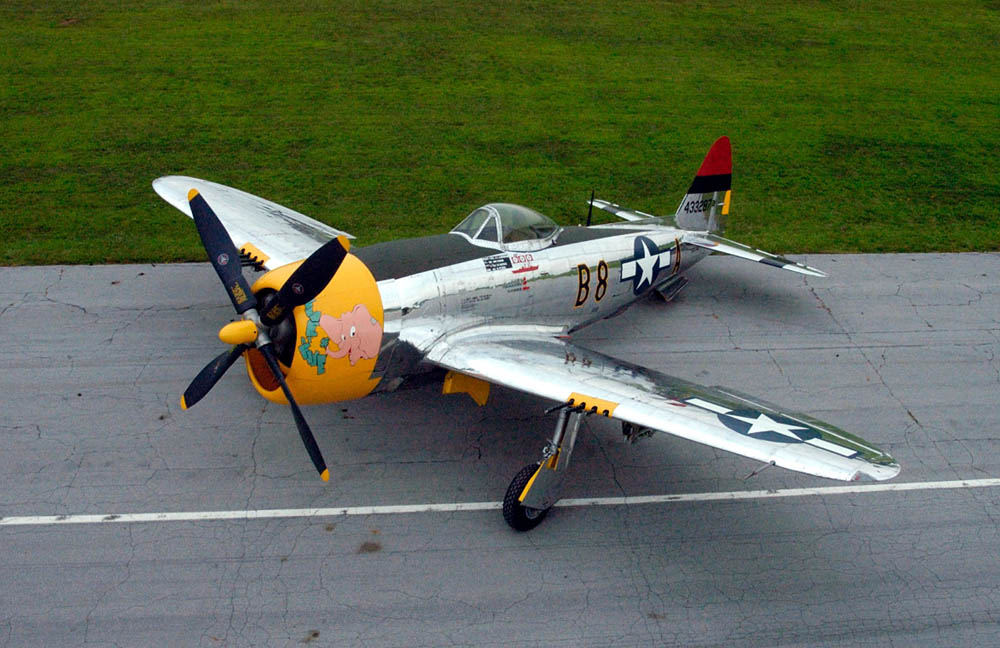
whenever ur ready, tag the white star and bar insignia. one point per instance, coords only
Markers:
(770, 427)
(761, 424)
(645, 264)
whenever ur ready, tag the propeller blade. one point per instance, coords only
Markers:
(300, 422)
(210, 375)
(222, 253)
(308, 280)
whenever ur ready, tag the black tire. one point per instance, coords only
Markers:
(521, 518)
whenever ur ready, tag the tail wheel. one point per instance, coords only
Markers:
(519, 517)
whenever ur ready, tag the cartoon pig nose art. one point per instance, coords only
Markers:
(356, 333)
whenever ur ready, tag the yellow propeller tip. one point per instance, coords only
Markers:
(325, 475)
(184, 404)
(192, 194)
(345, 243)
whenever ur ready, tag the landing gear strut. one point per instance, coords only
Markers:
(536, 487)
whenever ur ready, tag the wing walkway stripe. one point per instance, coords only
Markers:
(191, 516)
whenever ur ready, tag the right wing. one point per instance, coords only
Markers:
(267, 233)
(551, 368)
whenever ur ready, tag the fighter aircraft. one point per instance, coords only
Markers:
(494, 301)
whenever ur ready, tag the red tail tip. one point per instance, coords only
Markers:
(719, 160)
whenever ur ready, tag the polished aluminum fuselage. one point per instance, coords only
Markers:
(556, 290)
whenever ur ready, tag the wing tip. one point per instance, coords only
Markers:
(877, 472)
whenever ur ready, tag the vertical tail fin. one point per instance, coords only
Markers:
(707, 200)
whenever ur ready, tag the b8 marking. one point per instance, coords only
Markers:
(583, 283)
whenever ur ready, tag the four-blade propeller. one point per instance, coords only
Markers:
(308, 280)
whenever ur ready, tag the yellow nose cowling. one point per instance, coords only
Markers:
(337, 338)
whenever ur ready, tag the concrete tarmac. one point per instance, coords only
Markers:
(899, 349)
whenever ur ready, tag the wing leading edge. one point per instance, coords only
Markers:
(715, 417)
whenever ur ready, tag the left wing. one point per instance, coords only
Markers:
(551, 368)
(266, 233)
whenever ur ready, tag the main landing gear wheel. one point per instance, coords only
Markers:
(519, 517)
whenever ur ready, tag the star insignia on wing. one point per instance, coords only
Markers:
(762, 423)
(773, 427)
(769, 427)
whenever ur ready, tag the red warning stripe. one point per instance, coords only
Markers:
(719, 160)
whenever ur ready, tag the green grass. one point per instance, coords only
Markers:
(855, 126)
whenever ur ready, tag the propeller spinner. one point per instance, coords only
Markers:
(302, 286)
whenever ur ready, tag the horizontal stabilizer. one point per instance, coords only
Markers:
(725, 246)
(621, 212)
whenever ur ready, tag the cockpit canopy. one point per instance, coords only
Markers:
(508, 227)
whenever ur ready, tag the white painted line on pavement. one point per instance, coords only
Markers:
(458, 507)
